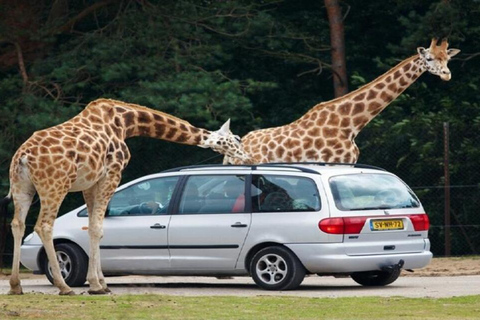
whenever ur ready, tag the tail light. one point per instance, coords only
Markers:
(346, 225)
(420, 222)
(354, 225)
(332, 225)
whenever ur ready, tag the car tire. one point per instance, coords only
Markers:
(73, 264)
(376, 278)
(277, 268)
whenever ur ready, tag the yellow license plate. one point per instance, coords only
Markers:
(390, 224)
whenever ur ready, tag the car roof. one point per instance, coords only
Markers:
(307, 167)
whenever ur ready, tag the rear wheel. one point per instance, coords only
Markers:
(276, 268)
(73, 264)
(376, 278)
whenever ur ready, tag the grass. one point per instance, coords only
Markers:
(8, 271)
(36, 306)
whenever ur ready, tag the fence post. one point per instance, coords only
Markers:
(446, 150)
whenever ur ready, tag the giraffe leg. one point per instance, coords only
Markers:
(101, 278)
(101, 192)
(22, 202)
(89, 196)
(50, 203)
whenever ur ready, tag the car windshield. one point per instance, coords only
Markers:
(371, 192)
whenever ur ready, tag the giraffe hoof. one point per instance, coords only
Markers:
(95, 292)
(69, 293)
(15, 292)
(107, 290)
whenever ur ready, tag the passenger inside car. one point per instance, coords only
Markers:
(231, 198)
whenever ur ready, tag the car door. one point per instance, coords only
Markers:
(136, 225)
(210, 224)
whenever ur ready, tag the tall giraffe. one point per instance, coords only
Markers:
(327, 131)
(87, 153)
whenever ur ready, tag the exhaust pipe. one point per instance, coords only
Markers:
(395, 267)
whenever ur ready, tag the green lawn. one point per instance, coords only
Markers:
(36, 306)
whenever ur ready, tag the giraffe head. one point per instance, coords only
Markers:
(225, 142)
(436, 58)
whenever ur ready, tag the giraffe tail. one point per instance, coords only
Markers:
(4, 204)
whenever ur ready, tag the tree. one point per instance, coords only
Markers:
(337, 41)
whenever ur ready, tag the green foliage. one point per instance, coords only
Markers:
(260, 63)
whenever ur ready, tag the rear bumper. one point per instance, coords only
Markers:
(331, 258)
(29, 255)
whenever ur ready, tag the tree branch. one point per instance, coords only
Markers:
(21, 63)
(468, 57)
(67, 27)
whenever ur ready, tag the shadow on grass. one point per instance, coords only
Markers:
(241, 286)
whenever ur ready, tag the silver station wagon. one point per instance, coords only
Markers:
(274, 222)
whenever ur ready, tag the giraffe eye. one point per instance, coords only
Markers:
(429, 59)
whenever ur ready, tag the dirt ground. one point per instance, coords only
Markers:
(439, 267)
(461, 266)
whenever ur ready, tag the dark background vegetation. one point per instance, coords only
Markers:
(260, 63)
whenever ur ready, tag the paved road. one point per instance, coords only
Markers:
(434, 287)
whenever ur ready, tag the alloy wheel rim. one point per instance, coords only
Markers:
(271, 269)
(65, 264)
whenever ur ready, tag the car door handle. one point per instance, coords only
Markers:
(157, 226)
(239, 225)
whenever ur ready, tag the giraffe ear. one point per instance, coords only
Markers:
(421, 51)
(453, 52)
(225, 129)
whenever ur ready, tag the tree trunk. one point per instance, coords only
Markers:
(337, 41)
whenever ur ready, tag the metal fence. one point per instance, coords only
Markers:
(463, 229)
(462, 235)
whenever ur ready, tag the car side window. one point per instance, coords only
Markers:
(149, 197)
(207, 194)
(275, 193)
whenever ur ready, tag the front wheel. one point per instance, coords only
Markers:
(276, 268)
(73, 264)
(376, 278)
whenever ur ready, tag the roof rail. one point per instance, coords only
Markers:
(355, 165)
(250, 166)
(275, 164)
(199, 166)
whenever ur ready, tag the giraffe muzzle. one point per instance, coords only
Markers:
(446, 76)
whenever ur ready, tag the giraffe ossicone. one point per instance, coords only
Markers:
(224, 138)
(88, 153)
(327, 132)
(436, 58)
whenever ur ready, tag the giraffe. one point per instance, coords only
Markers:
(327, 132)
(87, 153)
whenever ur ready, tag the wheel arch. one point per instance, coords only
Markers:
(251, 253)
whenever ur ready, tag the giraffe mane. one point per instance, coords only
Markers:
(138, 107)
(365, 86)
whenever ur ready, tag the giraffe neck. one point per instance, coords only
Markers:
(129, 120)
(355, 110)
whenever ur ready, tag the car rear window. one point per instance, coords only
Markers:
(272, 193)
(367, 191)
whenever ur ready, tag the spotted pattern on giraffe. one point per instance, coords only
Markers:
(327, 132)
(88, 153)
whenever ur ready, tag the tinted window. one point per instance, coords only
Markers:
(284, 193)
(371, 191)
(148, 197)
(213, 194)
